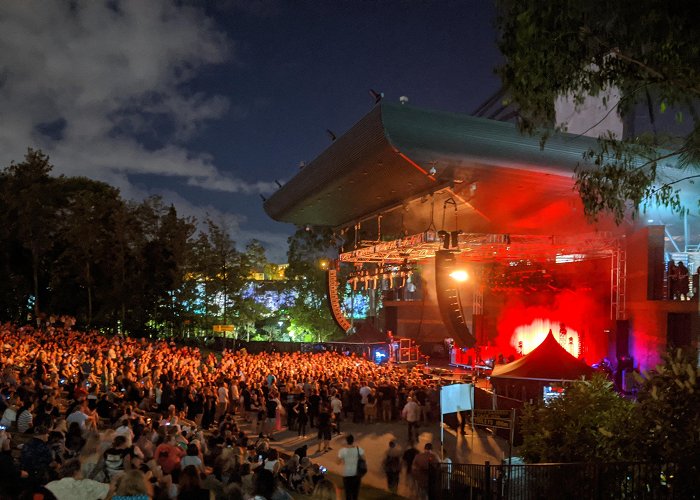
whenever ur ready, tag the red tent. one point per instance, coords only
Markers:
(549, 362)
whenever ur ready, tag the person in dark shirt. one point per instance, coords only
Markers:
(271, 414)
(301, 410)
(324, 430)
(314, 407)
(36, 457)
(408, 456)
(190, 486)
(11, 478)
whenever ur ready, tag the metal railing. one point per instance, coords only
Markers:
(572, 481)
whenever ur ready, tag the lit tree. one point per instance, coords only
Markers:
(648, 50)
(310, 311)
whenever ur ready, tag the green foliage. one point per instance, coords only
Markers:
(589, 423)
(310, 312)
(559, 47)
(669, 408)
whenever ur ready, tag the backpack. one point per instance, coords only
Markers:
(361, 464)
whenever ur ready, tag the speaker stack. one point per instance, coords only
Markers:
(449, 301)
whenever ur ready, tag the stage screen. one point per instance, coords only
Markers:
(456, 397)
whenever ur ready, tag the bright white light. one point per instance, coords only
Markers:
(459, 275)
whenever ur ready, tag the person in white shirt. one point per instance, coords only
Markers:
(365, 391)
(348, 456)
(336, 407)
(74, 487)
(411, 413)
(78, 416)
(234, 397)
(221, 401)
(125, 430)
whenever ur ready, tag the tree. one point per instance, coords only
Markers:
(85, 237)
(310, 312)
(591, 422)
(30, 198)
(669, 402)
(649, 50)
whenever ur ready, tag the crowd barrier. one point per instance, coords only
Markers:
(585, 481)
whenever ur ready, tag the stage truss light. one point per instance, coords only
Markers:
(459, 275)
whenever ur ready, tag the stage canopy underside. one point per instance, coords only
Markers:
(402, 174)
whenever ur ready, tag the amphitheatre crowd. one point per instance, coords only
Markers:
(86, 416)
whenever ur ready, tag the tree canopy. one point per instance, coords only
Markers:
(71, 245)
(592, 422)
(648, 50)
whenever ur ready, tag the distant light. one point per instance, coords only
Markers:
(324, 263)
(649, 221)
(459, 275)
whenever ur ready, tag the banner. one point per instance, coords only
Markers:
(456, 397)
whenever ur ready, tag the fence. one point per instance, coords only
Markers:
(594, 481)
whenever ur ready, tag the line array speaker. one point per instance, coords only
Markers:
(449, 301)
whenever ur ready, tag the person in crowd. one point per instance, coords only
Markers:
(325, 429)
(25, 418)
(271, 409)
(117, 457)
(301, 410)
(422, 468)
(391, 465)
(349, 456)
(189, 485)
(73, 485)
(266, 487)
(273, 462)
(411, 413)
(37, 459)
(133, 485)
(325, 490)
(336, 408)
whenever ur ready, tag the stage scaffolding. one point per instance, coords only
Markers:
(479, 247)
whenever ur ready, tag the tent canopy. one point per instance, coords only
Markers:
(549, 361)
(365, 334)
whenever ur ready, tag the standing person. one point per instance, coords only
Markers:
(408, 456)
(325, 429)
(392, 466)
(336, 407)
(365, 391)
(301, 410)
(411, 413)
(271, 415)
(314, 407)
(221, 401)
(421, 468)
(348, 456)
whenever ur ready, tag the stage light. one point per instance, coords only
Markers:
(459, 275)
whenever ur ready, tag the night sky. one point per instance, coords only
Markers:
(208, 103)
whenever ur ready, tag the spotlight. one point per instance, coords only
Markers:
(459, 275)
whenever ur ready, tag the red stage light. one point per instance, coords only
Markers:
(534, 334)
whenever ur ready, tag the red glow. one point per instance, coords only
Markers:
(529, 319)
(415, 165)
(534, 334)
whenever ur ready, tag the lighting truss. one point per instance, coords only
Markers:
(480, 247)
